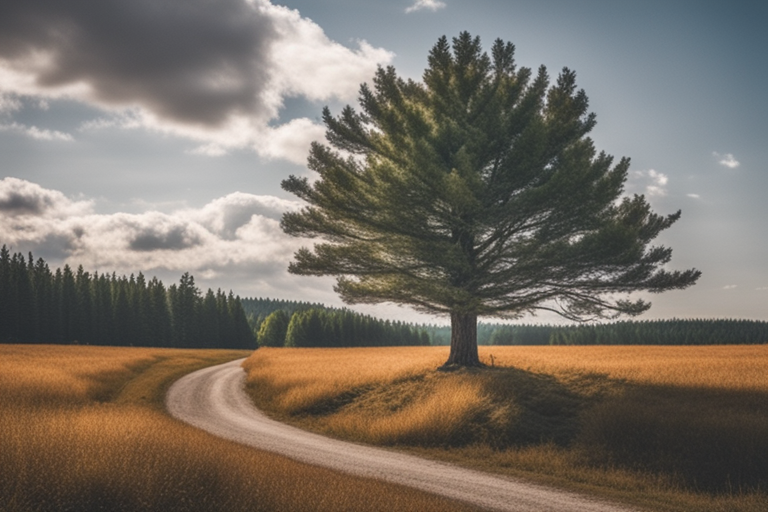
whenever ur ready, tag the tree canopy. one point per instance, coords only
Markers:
(477, 192)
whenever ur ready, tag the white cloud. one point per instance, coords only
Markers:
(726, 160)
(36, 133)
(694, 196)
(291, 140)
(217, 73)
(8, 104)
(236, 237)
(432, 5)
(654, 182)
(21, 198)
(729, 287)
(659, 182)
(210, 149)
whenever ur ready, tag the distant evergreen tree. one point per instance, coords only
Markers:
(226, 328)
(43, 289)
(183, 309)
(210, 328)
(69, 306)
(6, 296)
(343, 328)
(502, 336)
(140, 305)
(305, 329)
(274, 329)
(158, 315)
(83, 311)
(243, 335)
(257, 310)
(103, 309)
(122, 318)
(25, 301)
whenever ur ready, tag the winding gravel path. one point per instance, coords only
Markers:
(214, 400)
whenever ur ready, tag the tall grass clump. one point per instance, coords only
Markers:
(674, 428)
(83, 428)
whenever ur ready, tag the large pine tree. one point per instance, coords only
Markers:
(477, 193)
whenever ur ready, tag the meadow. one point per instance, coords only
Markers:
(665, 428)
(83, 428)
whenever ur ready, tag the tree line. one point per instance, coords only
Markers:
(648, 332)
(297, 326)
(38, 305)
(645, 332)
(258, 309)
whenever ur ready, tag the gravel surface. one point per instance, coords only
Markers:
(214, 400)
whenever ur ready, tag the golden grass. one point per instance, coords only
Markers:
(308, 375)
(672, 428)
(724, 367)
(83, 428)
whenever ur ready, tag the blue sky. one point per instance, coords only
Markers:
(138, 136)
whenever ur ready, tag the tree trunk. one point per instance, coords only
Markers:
(463, 341)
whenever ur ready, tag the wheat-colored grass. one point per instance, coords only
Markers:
(83, 428)
(723, 367)
(671, 428)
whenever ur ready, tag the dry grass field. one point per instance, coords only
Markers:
(668, 428)
(83, 428)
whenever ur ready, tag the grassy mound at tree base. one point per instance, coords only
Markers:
(674, 428)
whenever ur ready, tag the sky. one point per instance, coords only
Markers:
(145, 136)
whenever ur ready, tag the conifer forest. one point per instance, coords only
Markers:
(66, 306)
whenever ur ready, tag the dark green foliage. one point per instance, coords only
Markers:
(7, 293)
(664, 332)
(343, 328)
(37, 306)
(209, 320)
(241, 333)
(273, 330)
(315, 325)
(477, 193)
(68, 304)
(305, 330)
(257, 310)
(649, 332)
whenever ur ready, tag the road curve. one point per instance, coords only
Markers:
(214, 400)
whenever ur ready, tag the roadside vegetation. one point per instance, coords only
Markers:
(667, 428)
(83, 428)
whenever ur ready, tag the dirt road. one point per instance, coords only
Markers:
(214, 400)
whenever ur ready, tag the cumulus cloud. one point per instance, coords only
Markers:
(36, 133)
(8, 104)
(654, 183)
(658, 184)
(153, 238)
(726, 160)
(216, 72)
(23, 199)
(236, 235)
(419, 5)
